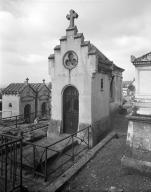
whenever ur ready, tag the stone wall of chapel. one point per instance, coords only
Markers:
(117, 97)
(100, 106)
(43, 97)
(10, 105)
(80, 77)
(100, 97)
(27, 97)
(118, 88)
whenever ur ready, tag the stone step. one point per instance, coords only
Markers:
(55, 167)
(60, 165)
(40, 147)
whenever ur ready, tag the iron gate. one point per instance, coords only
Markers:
(10, 163)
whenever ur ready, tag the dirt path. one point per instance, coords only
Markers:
(105, 170)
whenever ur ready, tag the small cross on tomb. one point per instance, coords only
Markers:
(27, 79)
(43, 81)
(71, 17)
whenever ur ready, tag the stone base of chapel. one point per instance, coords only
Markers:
(54, 127)
(97, 131)
(100, 129)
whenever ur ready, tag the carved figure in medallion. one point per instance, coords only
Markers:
(70, 60)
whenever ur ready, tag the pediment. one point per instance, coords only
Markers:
(27, 92)
(144, 58)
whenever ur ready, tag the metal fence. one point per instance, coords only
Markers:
(10, 163)
(21, 119)
(50, 161)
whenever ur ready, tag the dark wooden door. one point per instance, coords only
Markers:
(70, 110)
(43, 109)
(27, 113)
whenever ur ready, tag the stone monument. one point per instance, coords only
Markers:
(138, 155)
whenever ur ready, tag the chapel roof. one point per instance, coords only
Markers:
(36, 86)
(97, 52)
(17, 88)
(103, 61)
(14, 88)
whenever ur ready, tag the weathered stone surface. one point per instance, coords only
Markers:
(54, 127)
(100, 129)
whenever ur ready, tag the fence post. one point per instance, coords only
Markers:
(46, 164)
(6, 168)
(34, 158)
(21, 163)
(16, 121)
(88, 138)
(72, 148)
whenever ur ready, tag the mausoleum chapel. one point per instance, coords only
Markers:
(86, 85)
(26, 99)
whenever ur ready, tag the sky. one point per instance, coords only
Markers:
(30, 29)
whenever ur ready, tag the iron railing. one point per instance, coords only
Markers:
(21, 119)
(10, 163)
(16, 125)
(50, 161)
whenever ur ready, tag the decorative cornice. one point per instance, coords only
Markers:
(63, 38)
(85, 43)
(57, 48)
(51, 56)
(78, 35)
(93, 52)
(142, 63)
(141, 118)
(72, 29)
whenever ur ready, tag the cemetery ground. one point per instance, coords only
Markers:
(101, 172)
(105, 169)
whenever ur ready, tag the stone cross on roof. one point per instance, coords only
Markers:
(71, 17)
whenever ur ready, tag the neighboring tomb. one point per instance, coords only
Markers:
(128, 88)
(86, 85)
(139, 128)
(27, 99)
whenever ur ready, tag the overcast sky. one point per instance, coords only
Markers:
(30, 29)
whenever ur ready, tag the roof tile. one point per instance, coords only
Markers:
(17, 88)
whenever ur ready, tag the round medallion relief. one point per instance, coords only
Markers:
(70, 60)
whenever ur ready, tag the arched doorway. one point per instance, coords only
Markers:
(27, 113)
(43, 109)
(70, 110)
